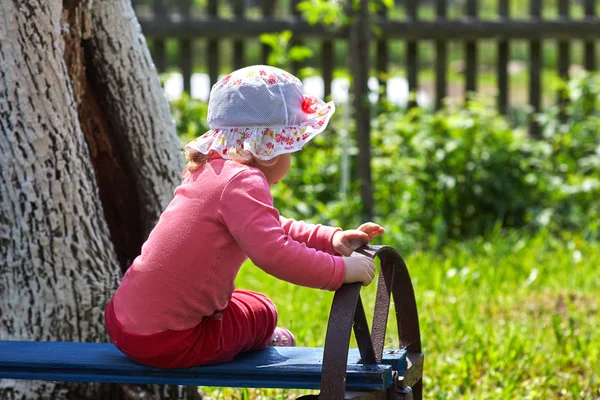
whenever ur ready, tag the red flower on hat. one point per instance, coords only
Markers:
(272, 79)
(307, 104)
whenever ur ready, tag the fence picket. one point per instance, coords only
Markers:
(471, 53)
(502, 64)
(327, 66)
(589, 45)
(535, 71)
(359, 60)
(382, 55)
(185, 50)
(268, 10)
(412, 57)
(564, 57)
(158, 45)
(295, 41)
(239, 11)
(213, 46)
(441, 58)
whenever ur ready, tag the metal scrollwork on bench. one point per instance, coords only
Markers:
(347, 312)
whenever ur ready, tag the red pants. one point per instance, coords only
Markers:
(246, 324)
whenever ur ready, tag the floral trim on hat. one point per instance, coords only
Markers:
(266, 143)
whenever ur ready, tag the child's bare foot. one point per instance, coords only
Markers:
(283, 337)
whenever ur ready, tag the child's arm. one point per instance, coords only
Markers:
(318, 236)
(246, 208)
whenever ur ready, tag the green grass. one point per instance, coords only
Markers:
(505, 318)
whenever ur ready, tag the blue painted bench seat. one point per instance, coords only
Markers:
(274, 367)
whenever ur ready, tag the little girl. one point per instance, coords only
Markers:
(177, 305)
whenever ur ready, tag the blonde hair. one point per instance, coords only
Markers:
(195, 159)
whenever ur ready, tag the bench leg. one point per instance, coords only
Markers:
(418, 390)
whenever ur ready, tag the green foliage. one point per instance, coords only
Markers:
(311, 190)
(282, 53)
(325, 12)
(574, 145)
(453, 174)
(190, 117)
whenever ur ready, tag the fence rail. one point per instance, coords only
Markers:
(465, 29)
(163, 23)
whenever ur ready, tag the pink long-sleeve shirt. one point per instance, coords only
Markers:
(219, 216)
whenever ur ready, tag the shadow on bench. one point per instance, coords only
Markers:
(368, 372)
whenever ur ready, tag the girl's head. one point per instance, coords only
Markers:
(256, 115)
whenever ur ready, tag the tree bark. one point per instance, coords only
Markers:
(58, 263)
(125, 79)
(88, 159)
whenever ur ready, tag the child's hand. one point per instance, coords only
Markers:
(345, 242)
(359, 269)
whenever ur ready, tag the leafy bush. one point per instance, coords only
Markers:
(190, 117)
(574, 146)
(452, 174)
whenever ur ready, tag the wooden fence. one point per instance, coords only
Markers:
(179, 21)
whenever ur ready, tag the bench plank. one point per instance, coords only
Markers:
(274, 367)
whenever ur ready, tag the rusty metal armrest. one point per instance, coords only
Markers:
(347, 312)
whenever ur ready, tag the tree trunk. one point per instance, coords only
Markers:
(125, 80)
(88, 159)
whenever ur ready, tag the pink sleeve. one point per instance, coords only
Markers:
(246, 208)
(316, 236)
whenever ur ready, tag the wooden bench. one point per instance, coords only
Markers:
(368, 372)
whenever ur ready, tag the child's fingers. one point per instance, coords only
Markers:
(355, 234)
(371, 229)
(370, 272)
(376, 233)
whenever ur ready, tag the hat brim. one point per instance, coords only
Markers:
(266, 142)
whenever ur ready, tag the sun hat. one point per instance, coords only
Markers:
(263, 110)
